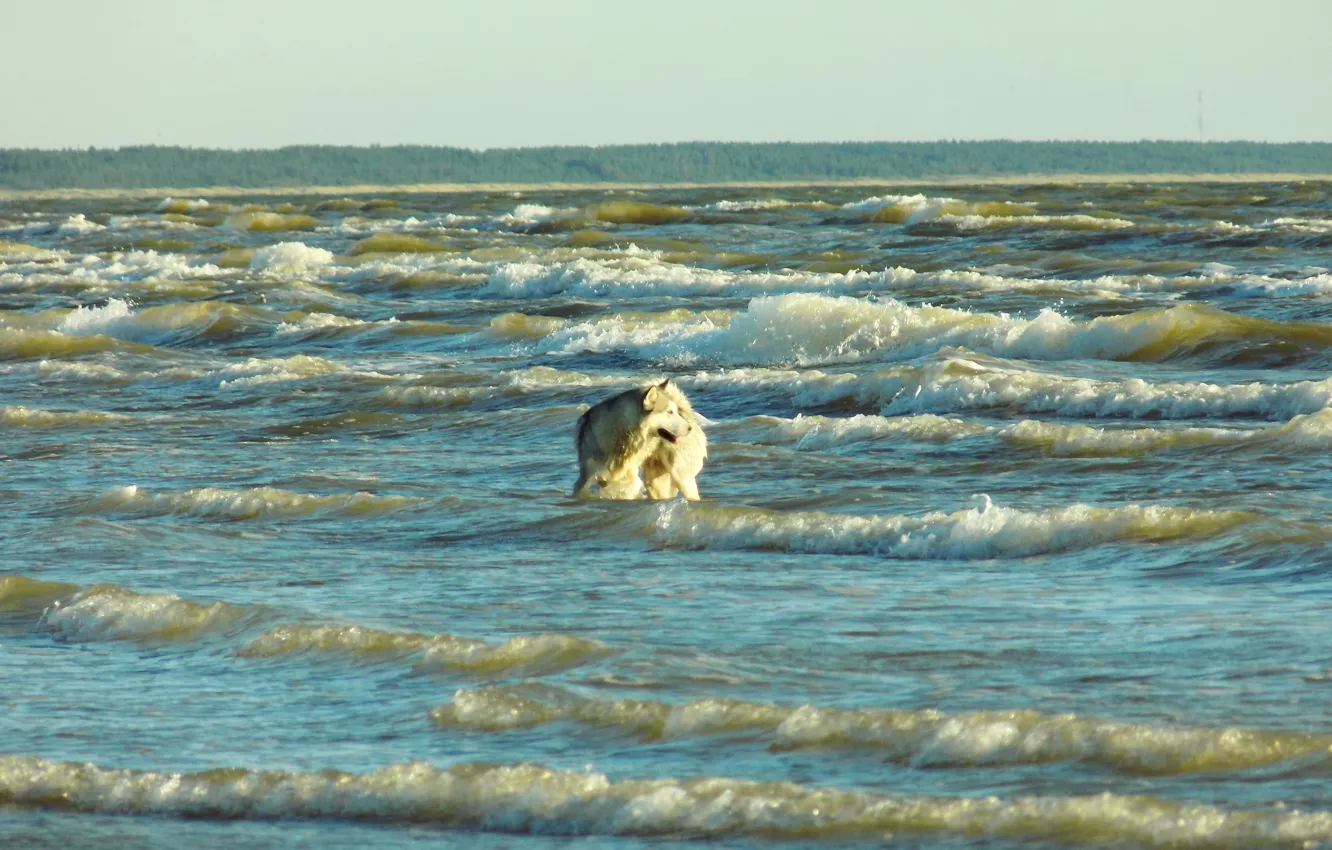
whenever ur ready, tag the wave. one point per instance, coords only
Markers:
(920, 738)
(533, 798)
(971, 215)
(248, 372)
(953, 383)
(108, 612)
(816, 433)
(531, 654)
(265, 221)
(21, 252)
(397, 243)
(184, 205)
(465, 390)
(1306, 431)
(27, 344)
(809, 329)
(19, 593)
(30, 417)
(252, 503)
(290, 259)
(820, 433)
(529, 217)
(984, 532)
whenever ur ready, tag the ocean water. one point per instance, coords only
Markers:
(1015, 527)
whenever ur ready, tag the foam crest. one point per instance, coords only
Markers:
(955, 383)
(646, 273)
(753, 205)
(118, 319)
(532, 798)
(132, 266)
(810, 328)
(19, 416)
(921, 737)
(290, 259)
(530, 653)
(321, 322)
(267, 370)
(988, 531)
(1086, 441)
(1075, 221)
(816, 433)
(516, 382)
(253, 503)
(77, 225)
(962, 384)
(182, 205)
(1306, 431)
(108, 612)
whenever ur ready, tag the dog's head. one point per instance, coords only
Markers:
(663, 412)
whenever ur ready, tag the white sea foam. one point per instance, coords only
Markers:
(647, 274)
(252, 503)
(107, 612)
(817, 433)
(78, 224)
(170, 204)
(82, 321)
(811, 329)
(532, 798)
(314, 322)
(531, 654)
(267, 370)
(29, 417)
(290, 258)
(1075, 221)
(988, 531)
(921, 737)
(972, 215)
(954, 383)
(118, 319)
(756, 204)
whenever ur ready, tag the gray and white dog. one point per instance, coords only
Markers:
(651, 430)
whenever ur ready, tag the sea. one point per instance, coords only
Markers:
(1014, 529)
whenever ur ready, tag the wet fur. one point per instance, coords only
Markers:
(618, 439)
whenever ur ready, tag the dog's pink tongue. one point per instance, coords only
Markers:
(666, 435)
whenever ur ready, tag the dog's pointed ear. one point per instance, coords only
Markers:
(650, 398)
(664, 384)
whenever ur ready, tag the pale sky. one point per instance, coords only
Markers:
(239, 73)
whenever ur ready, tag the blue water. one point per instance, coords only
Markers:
(1014, 524)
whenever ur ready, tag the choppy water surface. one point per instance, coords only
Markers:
(1015, 528)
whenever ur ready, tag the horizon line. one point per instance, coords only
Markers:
(614, 145)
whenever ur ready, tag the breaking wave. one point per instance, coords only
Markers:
(987, 531)
(31, 417)
(253, 503)
(532, 654)
(920, 738)
(955, 383)
(108, 612)
(532, 798)
(819, 433)
(810, 329)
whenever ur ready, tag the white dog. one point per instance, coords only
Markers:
(652, 429)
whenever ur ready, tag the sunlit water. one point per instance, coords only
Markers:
(1014, 533)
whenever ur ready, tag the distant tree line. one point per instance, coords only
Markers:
(694, 162)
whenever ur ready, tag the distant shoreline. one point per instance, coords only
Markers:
(459, 188)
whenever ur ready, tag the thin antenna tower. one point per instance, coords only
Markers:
(1200, 116)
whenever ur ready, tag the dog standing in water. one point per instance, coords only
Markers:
(652, 430)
